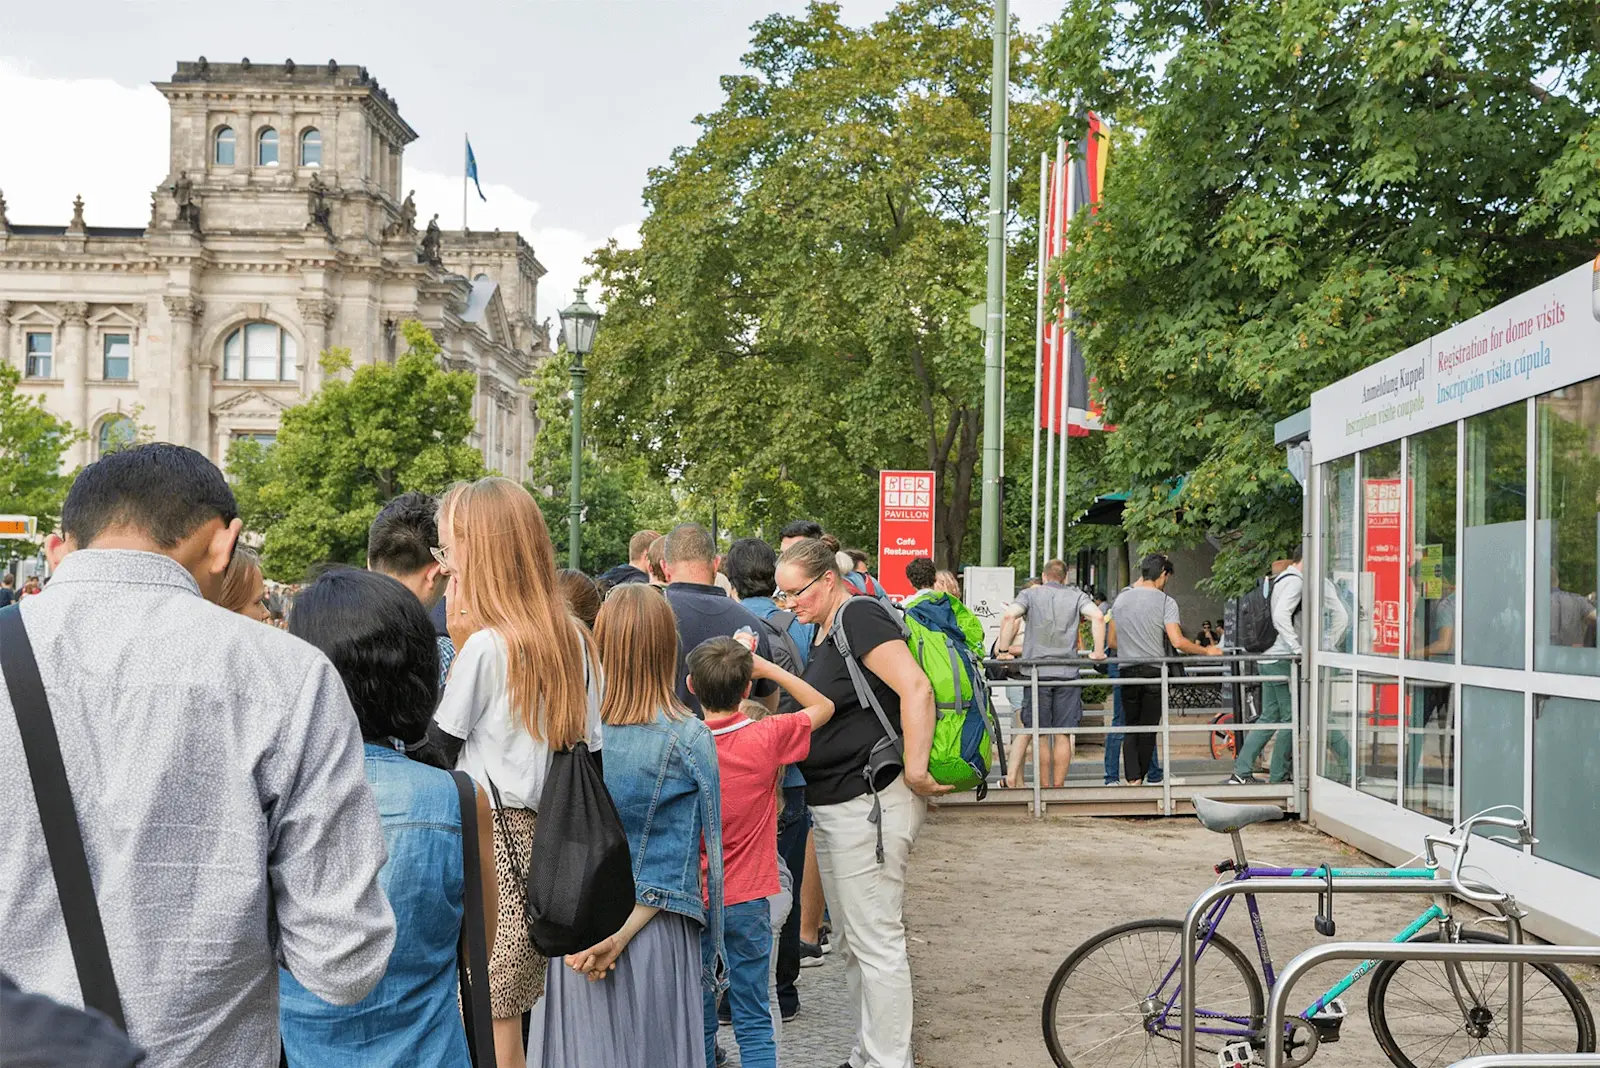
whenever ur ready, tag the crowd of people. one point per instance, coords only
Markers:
(285, 856)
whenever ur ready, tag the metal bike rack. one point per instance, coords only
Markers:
(1530, 1060)
(1306, 885)
(1438, 951)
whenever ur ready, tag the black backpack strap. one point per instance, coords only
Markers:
(59, 820)
(858, 677)
(472, 951)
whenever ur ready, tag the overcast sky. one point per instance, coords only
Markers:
(568, 102)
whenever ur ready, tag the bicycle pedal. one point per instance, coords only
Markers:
(1328, 1020)
(1236, 1055)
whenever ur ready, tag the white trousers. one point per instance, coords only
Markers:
(865, 901)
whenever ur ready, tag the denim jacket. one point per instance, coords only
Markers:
(663, 779)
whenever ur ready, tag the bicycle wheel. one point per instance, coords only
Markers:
(1420, 1023)
(1222, 742)
(1106, 1005)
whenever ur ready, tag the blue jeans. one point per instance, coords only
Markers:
(747, 944)
(1114, 741)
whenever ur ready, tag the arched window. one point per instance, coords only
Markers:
(116, 432)
(310, 148)
(267, 148)
(259, 352)
(223, 155)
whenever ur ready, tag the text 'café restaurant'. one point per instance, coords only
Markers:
(1452, 570)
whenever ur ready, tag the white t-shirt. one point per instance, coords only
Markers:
(477, 708)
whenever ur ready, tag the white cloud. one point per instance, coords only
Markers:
(63, 137)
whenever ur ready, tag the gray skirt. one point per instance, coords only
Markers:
(649, 1013)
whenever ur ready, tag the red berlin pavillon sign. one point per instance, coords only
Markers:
(905, 526)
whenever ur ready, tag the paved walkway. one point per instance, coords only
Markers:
(821, 1036)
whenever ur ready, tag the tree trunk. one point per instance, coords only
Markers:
(959, 510)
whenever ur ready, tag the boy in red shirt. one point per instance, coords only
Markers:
(750, 758)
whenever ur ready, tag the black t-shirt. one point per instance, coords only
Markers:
(839, 748)
(708, 612)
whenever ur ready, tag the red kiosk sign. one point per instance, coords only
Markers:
(905, 526)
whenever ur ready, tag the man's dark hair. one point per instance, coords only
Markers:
(751, 567)
(381, 641)
(1154, 566)
(921, 573)
(164, 491)
(8, 579)
(720, 669)
(400, 541)
(801, 528)
(690, 543)
(1055, 571)
(1297, 551)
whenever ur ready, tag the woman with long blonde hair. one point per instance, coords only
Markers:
(661, 771)
(524, 683)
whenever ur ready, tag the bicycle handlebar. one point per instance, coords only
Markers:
(1459, 846)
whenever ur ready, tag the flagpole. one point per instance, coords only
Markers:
(1066, 347)
(1038, 357)
(1052, 356)
(466, 150)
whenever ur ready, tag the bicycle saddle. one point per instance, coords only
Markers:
(1224, 818)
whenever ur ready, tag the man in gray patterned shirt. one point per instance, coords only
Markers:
(217, 769)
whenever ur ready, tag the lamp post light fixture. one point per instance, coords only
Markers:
(578, 323)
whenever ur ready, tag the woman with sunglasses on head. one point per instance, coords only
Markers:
(524, 682)
(864, 825)
(244, 591)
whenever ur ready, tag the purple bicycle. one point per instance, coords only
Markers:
(1114, 1002)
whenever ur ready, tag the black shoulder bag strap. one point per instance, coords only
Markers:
(59, 819)
(472, 952)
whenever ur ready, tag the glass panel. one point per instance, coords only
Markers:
(1491, 750)
(233, 355)
(1338, 554)
(1566, 765)
(1378, 736)
(1334, 699)
(118, 357)
(261, 352)
(286, 366)
(1493, 542)
(1380, 550)
(225, 147)
(267, 154)
(1430, 749)
(1431, 589)
(115, 433)
(1565, 540)
(266, 439)
(41, 347)
(311, 149)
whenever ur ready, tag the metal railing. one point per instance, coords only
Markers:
(1189, 938)
(1514, 955)
(1530, 1060)
(1165, 728)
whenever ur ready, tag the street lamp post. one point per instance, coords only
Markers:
(578, 322)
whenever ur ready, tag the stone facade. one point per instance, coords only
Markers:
(281, 230)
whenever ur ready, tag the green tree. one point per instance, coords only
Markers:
(32, 442)
(387, 430)
(796, 316)
(1297, 189)
(620, 494)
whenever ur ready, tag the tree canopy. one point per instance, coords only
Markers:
(387, 430)
(796, 316)
(1299, 188)
(32, 442)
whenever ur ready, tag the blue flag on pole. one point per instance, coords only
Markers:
(472, 172)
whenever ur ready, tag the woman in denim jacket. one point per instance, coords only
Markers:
(632, 1001)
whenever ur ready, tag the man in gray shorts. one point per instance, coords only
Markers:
(1052, 611)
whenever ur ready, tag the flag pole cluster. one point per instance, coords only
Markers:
(1063, 408)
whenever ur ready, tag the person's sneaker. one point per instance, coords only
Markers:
(824, 940)
(722, 1056)
(789, 1012)
(725, 1013)
(1241, 780)
(810, 954)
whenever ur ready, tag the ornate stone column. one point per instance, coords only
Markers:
(73, 371)
(182, 310)
(317, 315)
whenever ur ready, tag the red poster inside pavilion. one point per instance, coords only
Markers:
(905, 526)
(1381, 562)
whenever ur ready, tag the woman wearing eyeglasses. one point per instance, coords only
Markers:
(864, 824)
(525, 681)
